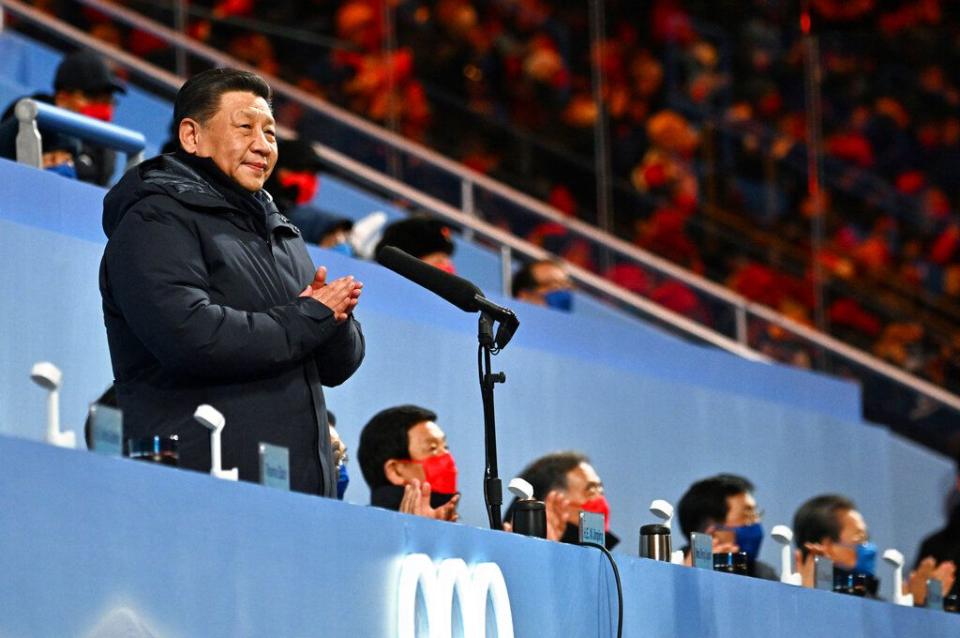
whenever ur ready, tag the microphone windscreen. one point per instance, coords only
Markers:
(456, 290)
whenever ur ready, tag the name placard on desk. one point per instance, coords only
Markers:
(823, 573)
(106, 429)
(274, 466)
(592, 529)
(934, 594)
(701, 550)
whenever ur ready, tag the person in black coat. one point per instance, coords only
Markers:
(209, 294)
(939, 553)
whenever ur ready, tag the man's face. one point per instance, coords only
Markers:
(853, 531)
(240, 138)
(741, 510)
(425, 439)
(549, 277)
(583, 484)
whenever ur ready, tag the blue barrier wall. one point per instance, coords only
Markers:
(96, 547)
(654, 412)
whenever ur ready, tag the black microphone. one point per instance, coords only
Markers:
(508, 321)
(457, 290)
(461, 293)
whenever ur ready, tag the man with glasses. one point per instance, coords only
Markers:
(724, 507)
(568, 484)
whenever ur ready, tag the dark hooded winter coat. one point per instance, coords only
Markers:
(200, 282)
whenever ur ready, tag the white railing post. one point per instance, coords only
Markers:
(740, 311)
(506, 270)
(29, 144)
(180, 21)
(467, 204)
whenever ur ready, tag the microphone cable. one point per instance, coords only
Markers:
(616, 575)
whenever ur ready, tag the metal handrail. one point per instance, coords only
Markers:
(590, 280)
(480, 228)
(121, 57)
(30, 112)
(470, 179)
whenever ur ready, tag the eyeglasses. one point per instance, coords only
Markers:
(749, 518)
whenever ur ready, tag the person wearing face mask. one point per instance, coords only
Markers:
(544, 283)
(83, 84)
(295, 180)
(422, 237)
(405, 461)
(724, 507)
(326, 230)
(568, 484)
(830, 525)
(340, 457)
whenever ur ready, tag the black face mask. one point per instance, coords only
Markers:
(571, 535)
(389, 497)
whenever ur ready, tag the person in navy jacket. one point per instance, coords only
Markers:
(209, 294)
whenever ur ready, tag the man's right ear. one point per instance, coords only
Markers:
(189, 135)
(391, 470)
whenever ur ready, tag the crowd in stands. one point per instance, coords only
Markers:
(705, 113)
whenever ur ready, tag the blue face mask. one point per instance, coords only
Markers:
(866, 559)
(343, 479)
(344, 248)
(559, 300)
(749, 538)
(67, 169)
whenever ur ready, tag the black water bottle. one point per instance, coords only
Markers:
(530, 518)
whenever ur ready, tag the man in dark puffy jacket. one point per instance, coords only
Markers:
(210, 296)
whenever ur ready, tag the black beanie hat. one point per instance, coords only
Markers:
(418, 236)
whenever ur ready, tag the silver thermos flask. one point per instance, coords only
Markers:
(655, 542)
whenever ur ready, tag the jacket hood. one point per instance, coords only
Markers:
(186, 180)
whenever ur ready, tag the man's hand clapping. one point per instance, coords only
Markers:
(341, 295)
(416, 501)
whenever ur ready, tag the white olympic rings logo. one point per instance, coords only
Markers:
(439, 583)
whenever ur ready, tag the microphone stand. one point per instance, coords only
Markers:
(492, 487)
